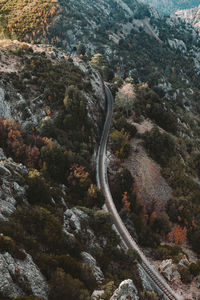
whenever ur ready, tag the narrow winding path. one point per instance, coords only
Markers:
(127, 240)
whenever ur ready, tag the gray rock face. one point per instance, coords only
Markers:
(169, 270)
(91, 262)
(5, 110)
(9, 188)
(190, 16)
(126, 290)
(73, 218)
(19, 277)
(169, 6)
(96, 295)
(146, 282)
(178, 44)
(4, 171)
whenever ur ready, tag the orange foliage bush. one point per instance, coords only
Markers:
(178, 235)
(125, 201)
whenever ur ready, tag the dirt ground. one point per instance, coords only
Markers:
(152, 188)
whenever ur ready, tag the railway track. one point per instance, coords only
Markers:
(127, 240)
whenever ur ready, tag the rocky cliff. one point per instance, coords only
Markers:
(191, 16)
(170, 6)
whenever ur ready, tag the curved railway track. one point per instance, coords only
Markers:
(127, 240)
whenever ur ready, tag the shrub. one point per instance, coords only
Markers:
(186, 276)
(55, 161)
(165, 252)
(122, 182)
(195, 239)
(194, 268)
(120, 143)
(161, 146)
(122, 123)
(8, 245)
(38, 191)
(63, 286)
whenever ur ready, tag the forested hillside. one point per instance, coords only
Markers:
(170, 6)
(56, 239)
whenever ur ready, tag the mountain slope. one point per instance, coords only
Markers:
(52, 103)
(170, 6)
(133, 38)
(190, 16)
(53, 230)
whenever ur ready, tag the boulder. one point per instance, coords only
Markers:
(96, 295)
(183, 262)
(91, 262)
(169, 270)
(126, 290)
(73, 218)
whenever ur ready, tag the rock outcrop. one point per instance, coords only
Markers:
(91, 262)
(190, 16)
(73, 219)
(21, 277)
(178, 44)
(96, 295)
(126, 290)
(169, 6)
(5, 110)
(169, 270)
(10, 189)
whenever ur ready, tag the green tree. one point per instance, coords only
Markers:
(101, 64)
(195, 239)
(120, 143)
(55, 162)
(81, 49)
(161, 146)
(63, 286)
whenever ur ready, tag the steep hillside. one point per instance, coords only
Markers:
(135, 41)
(170, 6)
(191, 16)
(56, 240)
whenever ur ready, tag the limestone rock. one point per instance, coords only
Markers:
(10, 189)
(146, 282)
(183, 262)
(96, 295)
(126, 290)
(91, 262)
(73, 218)
(4, 171)
(19, 277)
(169, 270)
(5, 110)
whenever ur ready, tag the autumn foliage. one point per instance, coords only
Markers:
(125, 201)
(36, 23)
(178, 235)
(24, 148)
(78, 176)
